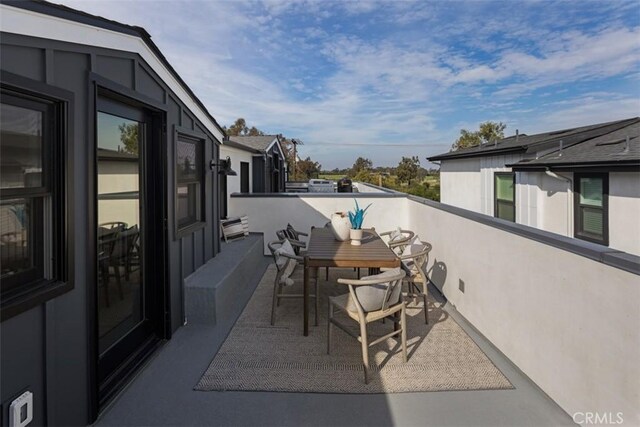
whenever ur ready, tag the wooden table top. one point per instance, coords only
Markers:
(323, 250)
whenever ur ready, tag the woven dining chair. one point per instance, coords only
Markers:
(286, 262)
(414, 261)
(370, 299)
(398, 239)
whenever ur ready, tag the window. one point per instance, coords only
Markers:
(591, 207)
(505, 195)
(31, 219)
(189, 181)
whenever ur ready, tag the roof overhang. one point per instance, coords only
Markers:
(229, 143)
(602, 166)
(480, 153)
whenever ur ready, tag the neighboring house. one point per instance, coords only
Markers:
(259, 162)
(582, 182)
(109, 163)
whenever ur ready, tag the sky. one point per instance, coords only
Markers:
(386, 79)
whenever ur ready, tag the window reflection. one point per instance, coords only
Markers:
(21, 148)
(15, 250)
(119, 229)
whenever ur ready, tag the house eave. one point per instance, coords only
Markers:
(487, 153)
(600, 166)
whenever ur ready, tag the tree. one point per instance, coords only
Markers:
(129, 137)
(308, 168)
(360, 165)
(238, 128)
(408, 169)
(487, 132)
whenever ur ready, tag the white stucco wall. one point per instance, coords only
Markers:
(568, 322)
(554, 198)
(542, 201)
(468, 183)
(269, 214)
(237, 156)
(555, 206)
(460, 183)
(624, 211)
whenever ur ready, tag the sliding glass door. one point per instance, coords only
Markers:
(129, 306)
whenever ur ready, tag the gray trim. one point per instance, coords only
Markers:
(377, 187)
(490, 151)
(323, 195)
(622, 166)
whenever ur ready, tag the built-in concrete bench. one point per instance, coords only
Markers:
(216, 293)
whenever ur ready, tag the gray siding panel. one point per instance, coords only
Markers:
(198, 249)
(120, 70)
(23, 60)
(187, 121)
(23, 361)
(70, 310)
(148, 85)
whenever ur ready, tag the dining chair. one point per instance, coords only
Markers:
(414, 261)
(370, 299)
(397, 239)
(286, 262)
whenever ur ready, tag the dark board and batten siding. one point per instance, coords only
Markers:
(47, 348)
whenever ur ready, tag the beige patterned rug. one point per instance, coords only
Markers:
(259, 357)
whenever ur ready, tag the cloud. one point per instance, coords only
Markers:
(396, 72)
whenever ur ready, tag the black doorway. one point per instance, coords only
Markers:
(129, 241)
(244, 177)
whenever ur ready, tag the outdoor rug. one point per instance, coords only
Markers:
(259, 357)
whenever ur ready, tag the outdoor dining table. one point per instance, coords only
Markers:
(323, 250)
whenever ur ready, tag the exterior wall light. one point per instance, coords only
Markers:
(224, 166)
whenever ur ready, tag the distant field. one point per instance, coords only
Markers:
(330, 177)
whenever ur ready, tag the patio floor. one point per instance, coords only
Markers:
(162, 394)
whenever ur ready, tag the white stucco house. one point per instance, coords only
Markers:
(582, 182)
(259, 162)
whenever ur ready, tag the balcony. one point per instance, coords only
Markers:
(555, 316)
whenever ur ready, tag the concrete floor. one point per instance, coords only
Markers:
(162, 394)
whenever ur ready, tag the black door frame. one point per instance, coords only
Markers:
(100, 87)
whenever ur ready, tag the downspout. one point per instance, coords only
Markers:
(569, 201)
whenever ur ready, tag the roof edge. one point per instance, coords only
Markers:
(75, 15)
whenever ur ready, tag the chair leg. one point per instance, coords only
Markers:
(426, 308)
(116, 270)
(326, 273)
(317, 302)
(275, 301)
(365, 351)
(278, 299)
(329, 328)
(403, 334)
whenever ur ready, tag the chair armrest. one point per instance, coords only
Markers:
(360, 282)
(302, 234)
(416, 255)
(296, 257)
(386, 233)
(399, 242)
(297, 243)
